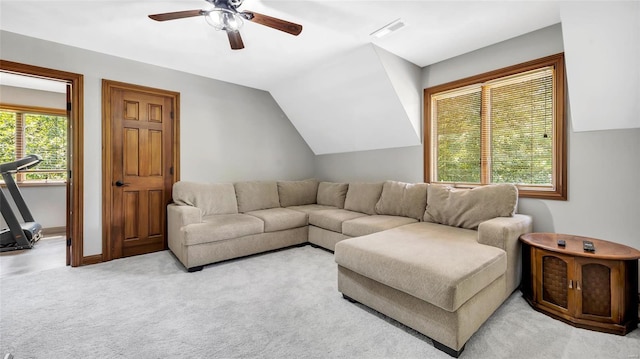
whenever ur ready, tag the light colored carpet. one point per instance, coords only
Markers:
(276, 305)
(47, 253)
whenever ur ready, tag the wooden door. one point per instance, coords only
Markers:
(141, 174)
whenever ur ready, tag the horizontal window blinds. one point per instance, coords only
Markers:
(521, 123)
(23, 133)
(46, 135)
(458, 131)
(500, 131)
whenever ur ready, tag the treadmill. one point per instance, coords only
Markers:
(18, 235)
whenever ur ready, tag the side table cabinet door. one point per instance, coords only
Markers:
(554, 281)
(599, 289)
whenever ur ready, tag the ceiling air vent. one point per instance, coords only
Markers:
(389, 28)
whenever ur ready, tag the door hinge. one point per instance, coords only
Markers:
(171, 114)
(171, 170)
(68, 242)
(69, 106)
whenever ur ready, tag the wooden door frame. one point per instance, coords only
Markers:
(107, 160)
(75, 209)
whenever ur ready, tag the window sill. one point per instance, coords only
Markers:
(523, 191)
(557, 195)
(37, 184)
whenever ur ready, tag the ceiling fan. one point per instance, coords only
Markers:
(226, 16)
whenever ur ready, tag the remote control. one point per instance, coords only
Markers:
(561, 243)
(588, 246)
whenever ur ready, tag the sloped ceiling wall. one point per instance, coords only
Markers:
(602, 55)
(366, 99)
(369, 99)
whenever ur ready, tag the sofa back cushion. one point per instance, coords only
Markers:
(332, 194)
(362, 197)
(403, 199)
(467, 208)
(211, 198)
(297, 193)
(255, 195)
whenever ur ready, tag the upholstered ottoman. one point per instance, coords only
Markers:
(435, 279)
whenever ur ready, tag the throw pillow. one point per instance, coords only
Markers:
(256, 195)
(403, 199)
(362, 197)
(297, 193)
(211, 198)
(332, 194)
(467, 208)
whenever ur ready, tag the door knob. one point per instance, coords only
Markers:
(120, 183)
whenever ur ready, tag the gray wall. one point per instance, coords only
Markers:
(227, 132)
(47, 204)
(230, 133)
(604, 166)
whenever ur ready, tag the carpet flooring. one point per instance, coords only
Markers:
(283, 304)
(47, 253)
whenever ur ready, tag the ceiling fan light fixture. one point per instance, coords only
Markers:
(222, 19)
(225, 16)
(388, 28)
(233, 22)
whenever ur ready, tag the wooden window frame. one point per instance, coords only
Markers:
(559, 190)
(20, 111)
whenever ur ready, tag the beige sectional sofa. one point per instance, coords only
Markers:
(437, 259)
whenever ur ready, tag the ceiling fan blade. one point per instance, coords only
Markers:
(176, 15)
(235, 40)
(272, 22)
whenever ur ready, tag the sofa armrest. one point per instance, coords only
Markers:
(504, 233)
(178, 217)
(183, 215)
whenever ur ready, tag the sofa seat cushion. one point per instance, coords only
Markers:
(332, 219)
(371, 224)
(308, 208)
(442, 265)
(220, 227)
(278, 219)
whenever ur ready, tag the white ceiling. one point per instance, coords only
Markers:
(435, 31)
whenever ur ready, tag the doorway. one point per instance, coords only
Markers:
(74, 173)
(140, 165)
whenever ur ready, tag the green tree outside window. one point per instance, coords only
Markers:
(24, 133)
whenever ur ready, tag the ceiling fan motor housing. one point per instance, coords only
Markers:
(226, 4)
(225, 16)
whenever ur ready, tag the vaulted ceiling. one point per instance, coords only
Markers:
(434, 31)
(343, 89)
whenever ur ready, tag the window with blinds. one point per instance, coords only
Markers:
(458, 136)
(25, 131)
(502, 127)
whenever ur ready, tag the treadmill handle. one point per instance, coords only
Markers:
(121, 184)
